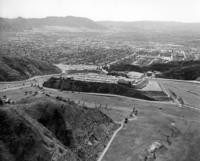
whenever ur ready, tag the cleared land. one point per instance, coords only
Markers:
(189, 92)
(152, 86)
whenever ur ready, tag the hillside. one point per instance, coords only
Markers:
(19, 68)
(191, 72)
(52, 130)
(184, 70)
(21, 24)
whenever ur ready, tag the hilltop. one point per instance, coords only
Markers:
(20, 68)
(137, 27)
(21, 24)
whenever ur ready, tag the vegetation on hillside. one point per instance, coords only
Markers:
(18, 141)
(19, 68)
(185, 70)
(36, 128)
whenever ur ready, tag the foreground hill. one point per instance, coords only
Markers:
(20, 24)
(52, 130)
(19, 68)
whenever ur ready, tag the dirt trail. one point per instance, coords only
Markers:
(113, 137)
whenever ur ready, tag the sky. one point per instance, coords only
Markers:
(116, 10)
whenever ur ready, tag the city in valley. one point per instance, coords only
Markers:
(77, 89)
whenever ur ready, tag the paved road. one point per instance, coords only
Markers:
(30, 79)
(177, 80)
(100, 94)
(24, 82)
(108, 95)
(188, 106)
(118, 96)
(97, 94)
(184, 93)
(14, 88)
(135, 99)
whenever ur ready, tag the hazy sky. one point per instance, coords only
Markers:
(126, 10)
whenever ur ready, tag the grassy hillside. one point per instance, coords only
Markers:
(15, 68)
(49, 129)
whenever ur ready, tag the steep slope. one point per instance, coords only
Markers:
(19, 68)
(22, 138)
(18, 140)
(45, 129)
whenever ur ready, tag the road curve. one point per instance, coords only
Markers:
(98, 94)
(119, 96)
(178, 80)
(14, 88)
(32, 78)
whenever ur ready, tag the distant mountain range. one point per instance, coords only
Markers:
(155, 26)
(20, 24)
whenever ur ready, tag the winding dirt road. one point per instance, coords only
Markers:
(113, 137)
